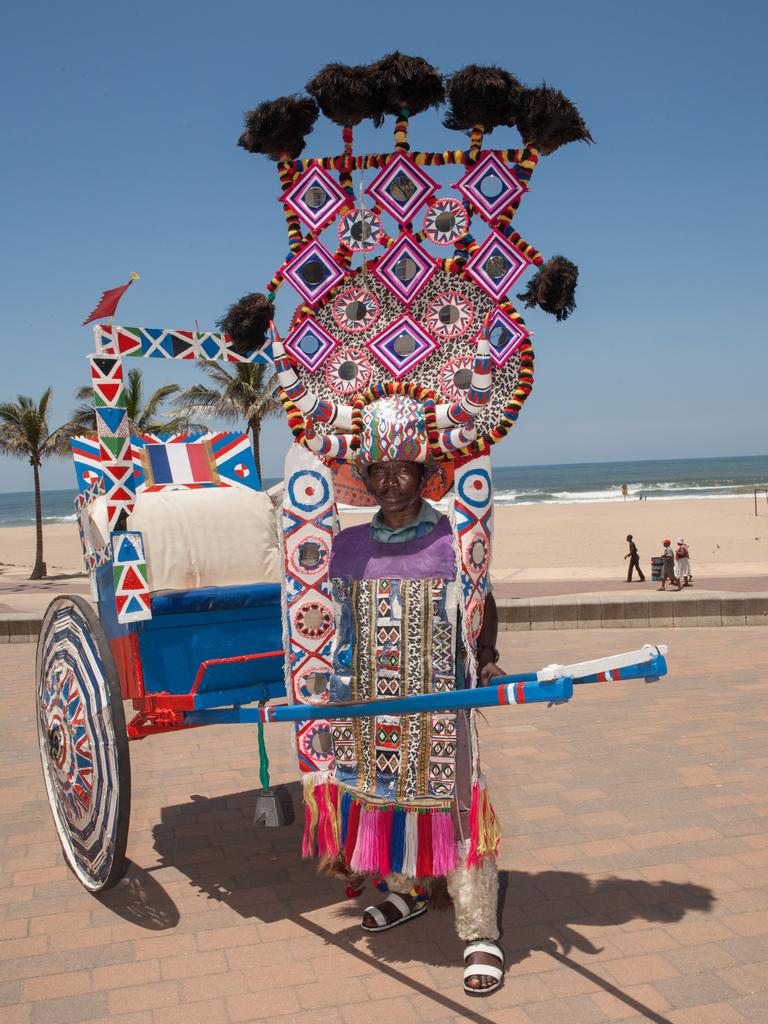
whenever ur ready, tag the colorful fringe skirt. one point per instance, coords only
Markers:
(381, 839)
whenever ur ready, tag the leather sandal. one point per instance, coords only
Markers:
(491, 948)
(405, 911)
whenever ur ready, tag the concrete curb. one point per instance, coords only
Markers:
(609, 611)
(573, 611)
(20, 627)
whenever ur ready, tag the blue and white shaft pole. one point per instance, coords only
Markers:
(552, 685)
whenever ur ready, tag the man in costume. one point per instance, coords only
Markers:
(404, 362)
(397, 574)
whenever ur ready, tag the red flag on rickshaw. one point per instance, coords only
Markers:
(107, 304)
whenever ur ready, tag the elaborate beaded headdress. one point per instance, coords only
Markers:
(383, 314)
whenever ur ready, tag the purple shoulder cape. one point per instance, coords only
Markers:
(356, 556)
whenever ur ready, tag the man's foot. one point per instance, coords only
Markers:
(483, 967)
(394, 910)
(661, 588)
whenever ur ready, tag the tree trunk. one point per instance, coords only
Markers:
(39, 570)
(255, 425)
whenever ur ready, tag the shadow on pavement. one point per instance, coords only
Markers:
(138, 898)
(258, 873)
(537, 909)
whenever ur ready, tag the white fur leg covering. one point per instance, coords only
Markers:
(475, 895)
(401, 884)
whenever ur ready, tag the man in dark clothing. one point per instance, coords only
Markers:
(634, 560)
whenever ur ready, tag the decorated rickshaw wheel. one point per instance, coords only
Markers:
(83, 742)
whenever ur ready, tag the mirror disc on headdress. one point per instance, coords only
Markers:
(355, 310)
(360, 230)
(449, 315)
(446, 221)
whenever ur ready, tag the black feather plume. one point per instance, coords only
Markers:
(548, 120)
(247, 322)
(484, 95)
(277, 128)
(553, 288)
(343, 93)
(400, 82)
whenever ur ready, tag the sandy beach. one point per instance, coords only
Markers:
(534, 544)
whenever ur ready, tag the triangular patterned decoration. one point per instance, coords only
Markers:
(112, 418)
(117, 447)
(127, 552)
(106, 390)
(132, 581)
(105, 364)
(120, 494)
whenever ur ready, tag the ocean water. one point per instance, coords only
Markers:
(653, 480)
(656, 480)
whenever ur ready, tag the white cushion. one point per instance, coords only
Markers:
(211, 537)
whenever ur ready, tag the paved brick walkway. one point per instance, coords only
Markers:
(634, 868)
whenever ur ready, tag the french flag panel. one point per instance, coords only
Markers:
(179, 463)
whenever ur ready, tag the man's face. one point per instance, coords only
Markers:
(395, 485)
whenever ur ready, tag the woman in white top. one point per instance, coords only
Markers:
(682, 563)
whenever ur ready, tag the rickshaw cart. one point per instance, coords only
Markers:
(195, 649)
(170, 651)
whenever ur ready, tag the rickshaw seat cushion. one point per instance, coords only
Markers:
(208, 537)
(209, 599)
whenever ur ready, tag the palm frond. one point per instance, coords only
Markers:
(24, 429)
(83, 419)
(156, 400)
(133, 394)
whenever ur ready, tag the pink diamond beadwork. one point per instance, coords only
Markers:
(402, 346)
(313, 271)
(310, 343)
(405, 268)
(490, 186)
(315, 196)
(497, 265)
(401, 187)
(505, 337)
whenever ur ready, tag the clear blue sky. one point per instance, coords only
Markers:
(119, 131)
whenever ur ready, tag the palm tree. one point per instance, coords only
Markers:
(246, 392)
(143, 418)
(24, 433)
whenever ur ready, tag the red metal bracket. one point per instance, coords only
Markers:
(161, 720)
(228, 661)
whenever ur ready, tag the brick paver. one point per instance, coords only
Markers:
(634, 868)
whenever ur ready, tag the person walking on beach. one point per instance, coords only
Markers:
(682, 563)
(668, 566)
(624, 491)
(634, 560)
